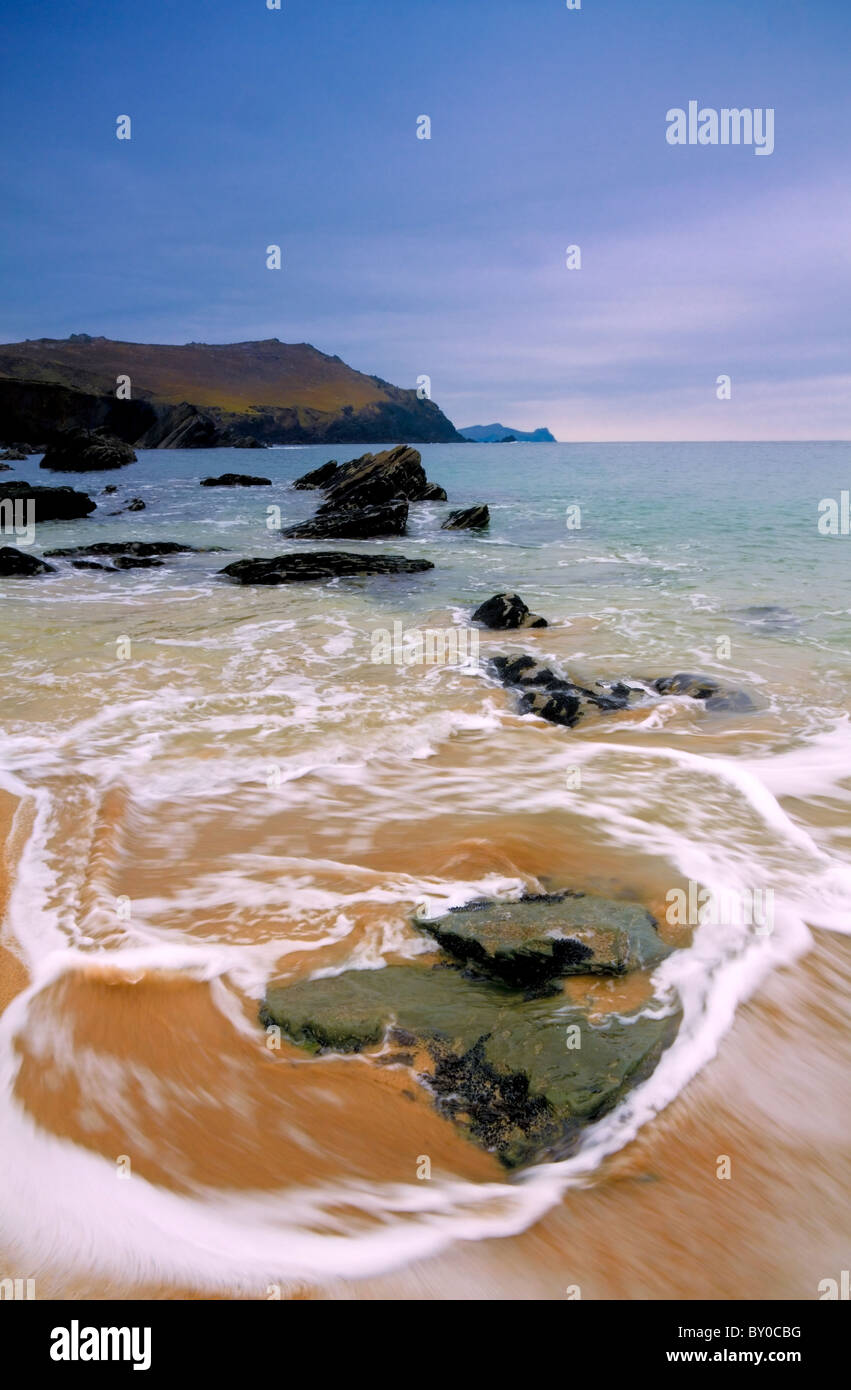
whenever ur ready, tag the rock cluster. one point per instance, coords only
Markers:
(86, 451)
(368, 496)
(519, 1073)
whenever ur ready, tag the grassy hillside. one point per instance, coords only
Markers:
(229, 379)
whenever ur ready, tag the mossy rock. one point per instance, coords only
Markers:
(529, 942)
(502, 1066)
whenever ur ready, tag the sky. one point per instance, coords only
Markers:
(446, 257)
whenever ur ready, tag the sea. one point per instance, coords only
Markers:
(212, 786)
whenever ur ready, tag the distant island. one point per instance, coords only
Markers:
(202, 395)
(501, 434)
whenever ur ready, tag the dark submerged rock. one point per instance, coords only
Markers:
(236, 480)
(353, 523)
(501, 1069)
(469, 519)
(318, 564)
(136, 562)
(18, 563)
(51, 503)
(82, 451)
(535, 939)
(552, 695)
(506, 611)
(138, 548)
(713, 695)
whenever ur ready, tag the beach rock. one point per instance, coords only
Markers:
(432, 492)
(5, 468)
(135, 505)
(705, 688)
(496, 1065)
(246, 441)
(136, 562)
(236, 480)
(18, 563)
(537, 938)
(353, 523)
(377, 478)
(552, 694)
(16, 454)
(109, 489)
(82, 451)
(91, 565)
(51, 503)
(318, 564)
(565, 706)
(506, 611)
(319, 477)
(139, 548)
(469, 519)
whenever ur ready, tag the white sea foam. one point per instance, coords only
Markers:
(736, 833)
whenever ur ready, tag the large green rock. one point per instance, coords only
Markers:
(506, 1069)
(528, 942)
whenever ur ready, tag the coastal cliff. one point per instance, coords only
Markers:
(200, 395)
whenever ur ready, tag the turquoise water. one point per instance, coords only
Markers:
(675, 540)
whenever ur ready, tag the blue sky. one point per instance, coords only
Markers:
(447, 256)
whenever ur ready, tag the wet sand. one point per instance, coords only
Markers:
(13, 975)
(658, 1223)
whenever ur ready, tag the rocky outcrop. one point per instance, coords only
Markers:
(365, 497)
(14, 455)
(236, 480)
(319, 564)
(86, 451)
(376, 478)
(532, 941)
(257, 392)
(353, 523)
(554, 696)
(137, 548)
(19, 563)
(181, 426)
(51, 503)
(506, 611)
(498, 1066)
(432, 492)
(469, 519)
